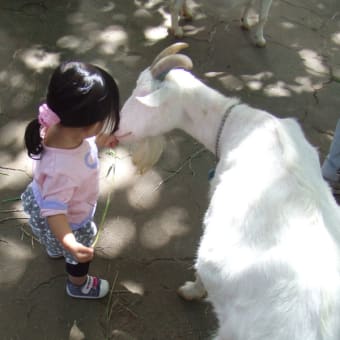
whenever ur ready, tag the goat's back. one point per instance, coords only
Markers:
(269, 254)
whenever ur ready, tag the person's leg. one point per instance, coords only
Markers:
(331, 165)
(39, 225)
(83, 286)
(79, 283)
(53, 247)
(77, 273)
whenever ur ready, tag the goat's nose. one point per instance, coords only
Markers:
(119, 137)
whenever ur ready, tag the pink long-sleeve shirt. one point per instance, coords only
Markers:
(66, 181)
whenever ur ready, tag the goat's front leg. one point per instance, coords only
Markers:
(192, 290)
(245, 16)
(186, 11)
(176, 6)
(263, 16)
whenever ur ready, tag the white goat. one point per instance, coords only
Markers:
(180, 8)
(269, 254)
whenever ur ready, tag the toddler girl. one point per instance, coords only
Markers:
(82, 101)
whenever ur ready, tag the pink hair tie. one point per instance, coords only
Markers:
(47, 117)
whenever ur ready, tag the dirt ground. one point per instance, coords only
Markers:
(147, 245)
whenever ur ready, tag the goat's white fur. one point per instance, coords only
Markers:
(180, 8)
(269, 254)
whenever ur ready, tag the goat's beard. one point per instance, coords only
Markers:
(146, 153)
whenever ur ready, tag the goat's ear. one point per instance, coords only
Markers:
(155, 98)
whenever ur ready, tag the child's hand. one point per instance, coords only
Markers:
(78, 250)
(104, 140)
(62, 231)
(82, 253)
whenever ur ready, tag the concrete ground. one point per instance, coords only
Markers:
(147, 244)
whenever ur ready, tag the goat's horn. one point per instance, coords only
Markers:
(164, 65)
(172, 49)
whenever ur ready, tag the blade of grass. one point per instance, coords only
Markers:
(111, 304)
(103, 218)
(11, 199)
(107, 205)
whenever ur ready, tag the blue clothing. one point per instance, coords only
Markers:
(331, 165)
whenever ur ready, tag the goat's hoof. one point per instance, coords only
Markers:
(178, 33)
(260, 43)
(190, 292)
(244, 25)
(187, 15)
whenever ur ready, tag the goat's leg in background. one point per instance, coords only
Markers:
(245, 24)
(263, 16)
(179, 8)
(175, 9)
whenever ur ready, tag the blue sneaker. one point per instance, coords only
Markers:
(93, 288)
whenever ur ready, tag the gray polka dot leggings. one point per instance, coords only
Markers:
(42, 231)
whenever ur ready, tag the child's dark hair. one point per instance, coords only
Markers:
(80, 94)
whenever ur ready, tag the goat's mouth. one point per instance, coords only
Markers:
(120, 137)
